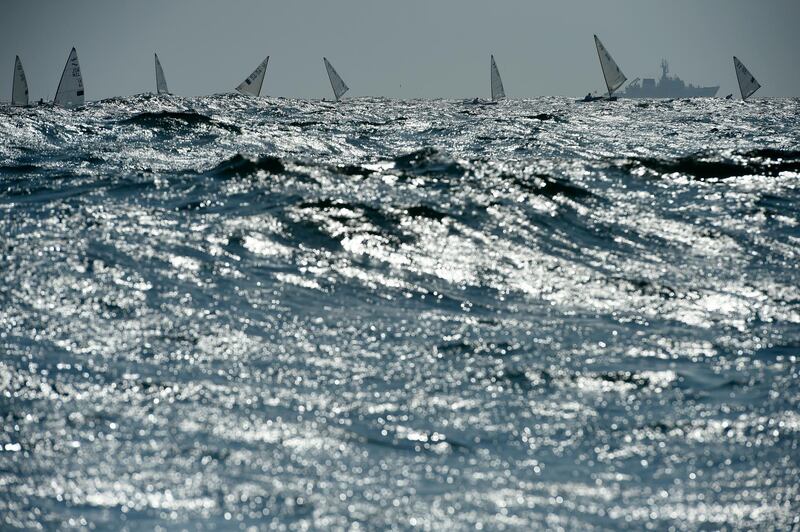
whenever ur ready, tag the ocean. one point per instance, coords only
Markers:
(236, 313)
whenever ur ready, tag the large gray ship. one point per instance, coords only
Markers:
(667, 87)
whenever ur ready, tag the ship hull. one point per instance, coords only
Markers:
(688, 92)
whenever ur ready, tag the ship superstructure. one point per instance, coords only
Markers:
(666, 87)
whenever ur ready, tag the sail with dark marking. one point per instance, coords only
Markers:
(70, 89)
(747, 83)
(611, 72)
(498, 92)
(252, 85)
(19, 90)
(161, 81)
(337, 83)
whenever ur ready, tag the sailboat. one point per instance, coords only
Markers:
(611, 73)
(70, 89)
(19, 90)
(252, 85)
(161, 81)
(747, 83)
(337, 83)
(498, 93)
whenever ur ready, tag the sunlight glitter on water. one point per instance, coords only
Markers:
(223, 311)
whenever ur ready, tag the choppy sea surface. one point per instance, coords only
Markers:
(226, 312)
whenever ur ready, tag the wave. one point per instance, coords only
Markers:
(428, 161)
(768, 162)
(549, 186)
(543, 117)
(239, 165)
(387, 223)
(18, 169)
(353, 170)
(423, 211)
(176, 119)
(648, 288)
(301, 123)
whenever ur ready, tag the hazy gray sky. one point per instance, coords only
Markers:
(404, 48)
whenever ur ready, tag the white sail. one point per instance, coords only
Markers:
(161, 81)
(611, 72)
(337, 83)
(497, 84)
(19, 91)
(252, 85)
(70, 88)
(747, 83)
